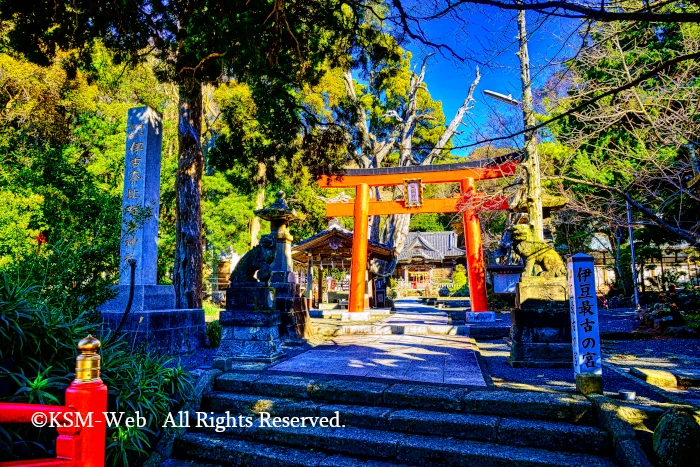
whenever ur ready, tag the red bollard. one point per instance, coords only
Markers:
(87, 395)
(84, 442)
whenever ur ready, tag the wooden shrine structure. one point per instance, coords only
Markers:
(330, 247)
(469, 202)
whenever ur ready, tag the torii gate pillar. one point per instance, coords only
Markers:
(358, 268)
(475, 259)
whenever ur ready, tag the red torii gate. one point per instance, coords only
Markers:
(412, 178)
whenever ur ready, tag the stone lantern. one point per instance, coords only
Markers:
(279, 214)
(283, 280)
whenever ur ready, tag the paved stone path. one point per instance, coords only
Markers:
(429, 358)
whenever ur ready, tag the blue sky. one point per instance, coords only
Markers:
(488, 30)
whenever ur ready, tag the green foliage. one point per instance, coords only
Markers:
(37, 358)
(226, 212)
(460, 281)
(337, 273)
(211, 310)
(62, 145)
(636, 139)
(147, 383)
(433, 222)
(214, 333)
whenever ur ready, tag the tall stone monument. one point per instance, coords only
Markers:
(153, 320)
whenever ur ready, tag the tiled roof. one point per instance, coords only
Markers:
(431, 245)
(321, 241)
(333, 227)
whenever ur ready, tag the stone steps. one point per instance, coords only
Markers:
(384, 424)
(225, 450)
(354, 446)
(502, 430)
(481, 331)
(407, 329)
(521, 404)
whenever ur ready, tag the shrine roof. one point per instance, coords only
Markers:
(336, 241)
(435, 246)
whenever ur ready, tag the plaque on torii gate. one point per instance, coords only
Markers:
(469, 202)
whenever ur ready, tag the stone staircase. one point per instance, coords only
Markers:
(390, 424)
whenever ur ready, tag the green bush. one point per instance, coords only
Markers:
(211, 310)
(38, 347)
(214, 333)
(693, 322)
(459, 278)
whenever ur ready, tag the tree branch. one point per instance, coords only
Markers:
(688, 236)
(456, 121)
(569, 9)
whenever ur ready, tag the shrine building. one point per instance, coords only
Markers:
(429, 258)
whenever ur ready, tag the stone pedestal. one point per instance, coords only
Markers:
(540, 333)
(295, 322)
(153, 322)
(589, 383)
(284, 302)
(250, 326)
(355, 316)
(481, 317)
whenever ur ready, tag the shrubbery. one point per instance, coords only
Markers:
(38, 348)
(214, 333)
(461, 284)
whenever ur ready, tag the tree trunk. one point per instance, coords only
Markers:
(260, 180)
(532, 160)
(618, 262)
(374, 221)
(187, 277)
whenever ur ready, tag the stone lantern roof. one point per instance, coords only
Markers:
(277, 210)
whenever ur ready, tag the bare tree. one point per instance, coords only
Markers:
(410, 18)
(638, 144)
(373, 149)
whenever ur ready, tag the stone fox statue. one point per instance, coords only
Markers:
(257, 260)
(536, 253)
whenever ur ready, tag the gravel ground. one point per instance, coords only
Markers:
(494, 353)
(661, 354)
(618, 320)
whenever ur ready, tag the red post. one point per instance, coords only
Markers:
(87, 394)
(358, 268)
(475, 252)
(83, 428)
(87, 447)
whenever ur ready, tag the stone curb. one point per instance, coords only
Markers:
(407, 329)
(547, 406)
(668, 379)
(660, 378)
(482, 365)
(164, 448)
(671, 398)
(628, 451)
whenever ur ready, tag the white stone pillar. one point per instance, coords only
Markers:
(588, 360)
